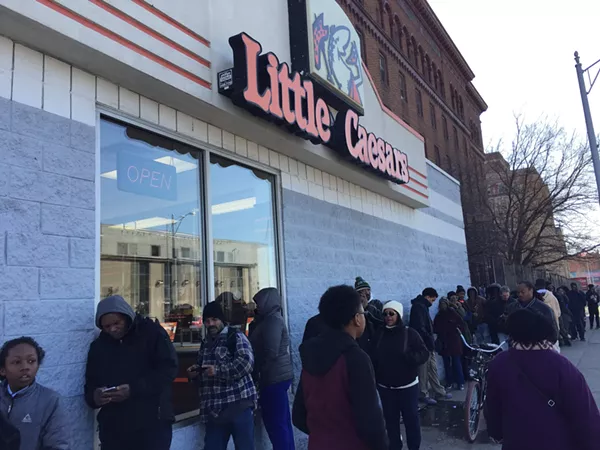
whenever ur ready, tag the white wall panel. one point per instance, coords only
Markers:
(28, 75)
(6, 67)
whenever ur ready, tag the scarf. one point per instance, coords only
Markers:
(544, 345)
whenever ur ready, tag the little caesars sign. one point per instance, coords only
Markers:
(322, 106)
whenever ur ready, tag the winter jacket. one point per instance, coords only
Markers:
(336, 402)
(144, 359)
(232, 387)
(538, 307)
(496, 311)
(270, 340)
(592, 300)
(518, 412)
(396, 362)
(577, 302)
(445, 326)
(552, 302)
(314, 327)
(39, 415)
(421, 322)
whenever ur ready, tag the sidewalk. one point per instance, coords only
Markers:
(446, 432)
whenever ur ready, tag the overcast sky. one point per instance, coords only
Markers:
(522, 54)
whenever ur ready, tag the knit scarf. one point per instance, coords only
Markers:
(545, 345)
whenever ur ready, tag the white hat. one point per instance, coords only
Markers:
(396, 306)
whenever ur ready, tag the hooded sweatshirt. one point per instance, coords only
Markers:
(270, 340)
(336, 402)
(421, 322)
(144, 359)
(38, 414)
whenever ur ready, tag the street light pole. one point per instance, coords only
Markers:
(588, 116)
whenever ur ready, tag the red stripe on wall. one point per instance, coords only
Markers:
(406, 186)
(149, 31)
(124, 42)
(158, 13)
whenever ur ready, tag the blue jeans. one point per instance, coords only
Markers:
(241, 428)
(454, 370)
(276, 415)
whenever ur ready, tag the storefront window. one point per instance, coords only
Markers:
(151, 236)
(243, 223)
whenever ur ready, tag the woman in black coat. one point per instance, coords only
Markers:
(397, 352)
(446, 324)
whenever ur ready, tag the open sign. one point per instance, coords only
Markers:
(146, 177)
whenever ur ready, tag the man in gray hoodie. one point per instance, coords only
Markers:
(32, 409)
(130, 370)
(273, 372)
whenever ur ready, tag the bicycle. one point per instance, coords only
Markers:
(477, 386)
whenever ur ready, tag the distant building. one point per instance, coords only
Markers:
(586, 269)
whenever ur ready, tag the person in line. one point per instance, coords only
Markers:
(227, 392)
(129, 375)
(475, 303)
(273, 372)
(495, 309)
(592, 301)
(549, 299)
(530, 299)
(507, 298)
(373, 314)
(421, 322)
(34, 414)
(446, 324)
(537, 399)
(577, 304)
(566, 317)
(461, 294)
(397, 354)
(336, 403)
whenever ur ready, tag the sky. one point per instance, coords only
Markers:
(521, 52)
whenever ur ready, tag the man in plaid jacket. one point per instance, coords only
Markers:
(224, 375)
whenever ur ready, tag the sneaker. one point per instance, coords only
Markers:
(582, 339)
(446, 396)
(428, 401)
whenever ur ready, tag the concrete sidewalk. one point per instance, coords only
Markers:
(443, 427)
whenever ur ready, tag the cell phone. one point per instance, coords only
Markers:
(109, 389)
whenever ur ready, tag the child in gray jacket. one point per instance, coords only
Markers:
(33, 409)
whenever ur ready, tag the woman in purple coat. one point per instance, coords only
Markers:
(536, 398)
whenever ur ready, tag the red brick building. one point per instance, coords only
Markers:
(422, 77)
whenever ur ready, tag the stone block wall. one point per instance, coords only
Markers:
(327, 244)
(47, 246)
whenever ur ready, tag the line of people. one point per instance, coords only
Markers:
(363, 369)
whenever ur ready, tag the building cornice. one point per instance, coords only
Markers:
(365, 21)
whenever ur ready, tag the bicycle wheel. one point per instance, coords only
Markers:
(472, 411)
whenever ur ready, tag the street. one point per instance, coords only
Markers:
(442, 426)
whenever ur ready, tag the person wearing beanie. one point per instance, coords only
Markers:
(364, 290)
(223, 374)
(130, 370)
(397, 353)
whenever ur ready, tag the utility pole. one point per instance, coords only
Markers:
(586, 112)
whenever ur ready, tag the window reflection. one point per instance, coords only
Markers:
(151, 247)
(243, 224)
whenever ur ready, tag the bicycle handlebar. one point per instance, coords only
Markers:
(479, 349)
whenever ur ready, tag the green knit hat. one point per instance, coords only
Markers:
(361, 285)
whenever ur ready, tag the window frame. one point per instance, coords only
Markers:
(419, 101)
(207, 250)
(432, 115)
(403, 88)
(445, 127)
(383, 71)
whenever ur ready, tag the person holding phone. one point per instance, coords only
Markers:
(223, 374)
(130, 370)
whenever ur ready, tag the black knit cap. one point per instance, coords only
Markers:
(213, 310)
